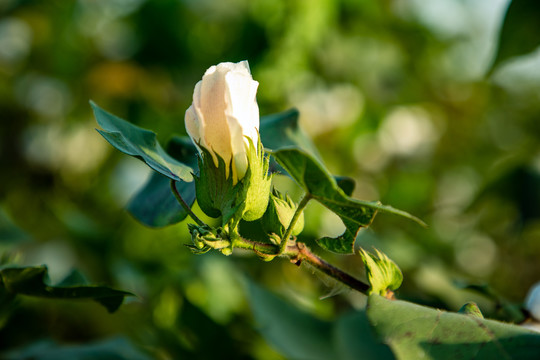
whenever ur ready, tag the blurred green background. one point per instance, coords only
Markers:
(393, 92)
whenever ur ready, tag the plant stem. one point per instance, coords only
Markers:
(285, 239)
(298, 253)
(305, 254)
(258, 247)
(185, 205)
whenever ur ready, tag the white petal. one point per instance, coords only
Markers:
(224, 112)
(192, 125)
(213, 106)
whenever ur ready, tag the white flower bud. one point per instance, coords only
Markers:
(223, 113)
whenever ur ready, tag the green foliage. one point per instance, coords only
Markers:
(110, 349)
(154, 204)
(299, 335)
(508, 311)
(319, 184)
(282, 130)
(383, 274)
(9, 232)
(390, 92)
(520, 21)
(32, 281)
(414, 332)
(140, 143)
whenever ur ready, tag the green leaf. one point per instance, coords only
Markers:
(506, 310)
(282, 130)
(10, 234)
(320, 185)
(383, 274)
(519, 32)
(154, 204)
(74, 278)
(354, 339)
(294, 333)
(109, 349)
(346, 184)
(418, 332)
(140, 143)
(31, 281)
(299, 335)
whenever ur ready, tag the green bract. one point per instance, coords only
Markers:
(218, 196)
(383, 274)
(256, 183)
(471, 309)
(279, 214)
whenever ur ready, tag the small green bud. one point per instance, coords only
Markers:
(198, 234)
(205, 238)
(383, 274)
(471, 309)
(195, 250)
(226, 251)
(279, 214)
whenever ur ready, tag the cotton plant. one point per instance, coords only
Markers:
(227, 165)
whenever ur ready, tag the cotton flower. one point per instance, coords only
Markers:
(223, 121)
(224, 115)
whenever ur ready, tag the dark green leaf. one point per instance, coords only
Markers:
(506, 310)
(346, 184)
(418, 332)
(32, 281)
(282, 130)
(9, 232)
(354, 339)
(294, 333)
(518, 34)
(74, 278)
(311, 175)
(140, 143)
(155, 205)
(299, 335)
(110, 349)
